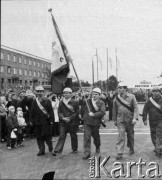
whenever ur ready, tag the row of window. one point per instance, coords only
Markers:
(26, 61)
(24, 72)
(25, 83)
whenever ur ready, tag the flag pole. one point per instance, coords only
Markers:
(107, 67)
(116, 64)
(80, 85)
(107, 63)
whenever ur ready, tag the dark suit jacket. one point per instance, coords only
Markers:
(37, 117)
(98, 115)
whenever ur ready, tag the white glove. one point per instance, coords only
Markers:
(91, 114)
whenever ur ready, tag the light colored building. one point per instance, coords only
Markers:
(22, 70)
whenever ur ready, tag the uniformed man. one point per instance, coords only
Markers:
(153, 108)
(68, 112)
(42, 116)
(125, 115)
(92, 121)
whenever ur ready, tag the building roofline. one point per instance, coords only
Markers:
(24, 53)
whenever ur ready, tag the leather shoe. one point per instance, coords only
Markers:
(41, 153)
(119, 156)
(50, 149)
(74, 151)
(97, 150)
(131, 152)
(86, 156)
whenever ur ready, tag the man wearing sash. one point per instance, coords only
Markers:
(92, 121)
(125, 115)
(42, 117)
(68, 112)
(153, 108)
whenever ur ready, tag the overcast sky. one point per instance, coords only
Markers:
(134, 27)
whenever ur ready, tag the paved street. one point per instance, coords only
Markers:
(22, 163)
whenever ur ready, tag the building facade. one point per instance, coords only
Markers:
(22, 70)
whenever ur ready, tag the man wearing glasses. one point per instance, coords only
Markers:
(68, 112)
(125, 115)
(92, 121)
(153, 108)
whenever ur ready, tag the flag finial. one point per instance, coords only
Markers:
(50, 10)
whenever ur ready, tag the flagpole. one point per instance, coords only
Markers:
(107, 63)
(116, 64)
(80, 85)
(97, 64)
(107, 68)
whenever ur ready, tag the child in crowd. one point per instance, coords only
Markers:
(22, 125)
(12, 126)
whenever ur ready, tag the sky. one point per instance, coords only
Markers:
(132, 27)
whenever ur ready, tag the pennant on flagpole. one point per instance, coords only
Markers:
(60, 56)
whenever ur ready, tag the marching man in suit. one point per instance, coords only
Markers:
(153, 108)
(92, 121)
(68, 112)
(42, 117)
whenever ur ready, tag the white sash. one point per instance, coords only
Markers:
(155, 103)
(94, 105)
(68, 105)
(42, 108)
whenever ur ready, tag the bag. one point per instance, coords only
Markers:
(13, 135)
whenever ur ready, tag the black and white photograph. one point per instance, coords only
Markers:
(81, 89)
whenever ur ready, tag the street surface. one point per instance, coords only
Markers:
(23, 163)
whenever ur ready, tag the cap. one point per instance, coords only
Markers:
(39, 88)
(11, 107)
(122, 84)
(97, 90)
(67, 90)
(19, 109)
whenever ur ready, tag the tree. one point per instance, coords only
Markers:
(112, 83)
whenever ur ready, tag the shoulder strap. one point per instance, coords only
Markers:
(91, 105)
(68, 107)
(155, 105)
(123, 103)
(42, 108)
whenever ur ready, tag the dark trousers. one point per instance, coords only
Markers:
(89, 131)
(55, 129)
(3, 129)
(19, 137)
(10, 141)
(63, 132)
(41, 143)
(156, 135)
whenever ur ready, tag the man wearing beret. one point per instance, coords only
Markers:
(92, 116)
(153, 108)
(125, 115)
